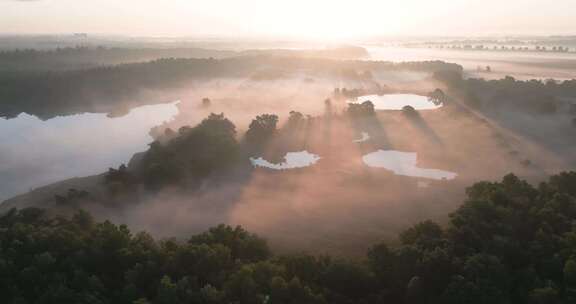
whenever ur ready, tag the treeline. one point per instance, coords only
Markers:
(97, 90)
(534, 95)
(103, 89)
(500, 48)
(510, 242)
(71, 58)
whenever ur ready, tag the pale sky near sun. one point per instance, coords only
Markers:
(296, 18)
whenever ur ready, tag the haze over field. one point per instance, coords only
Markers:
(288, 152)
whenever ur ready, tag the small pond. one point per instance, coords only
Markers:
(403, 163)
(292, 160)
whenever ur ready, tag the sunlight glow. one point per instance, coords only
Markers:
(298, 18)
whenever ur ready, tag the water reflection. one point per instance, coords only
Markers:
(35, 152)
(292, 160)
(403, 163)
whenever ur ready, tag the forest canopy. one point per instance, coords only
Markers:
(510, 242)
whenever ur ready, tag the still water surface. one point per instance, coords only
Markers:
(292, 160)
(403, 163)
(34, 153)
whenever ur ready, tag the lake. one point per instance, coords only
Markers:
(403, 163)
(398, 101)
(34, 153)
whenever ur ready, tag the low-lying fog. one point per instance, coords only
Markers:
(348, 183)
(349, 192)
(521, 65)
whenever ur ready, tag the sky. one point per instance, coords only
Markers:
(328, 19)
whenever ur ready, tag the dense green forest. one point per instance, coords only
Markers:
(510, 242)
